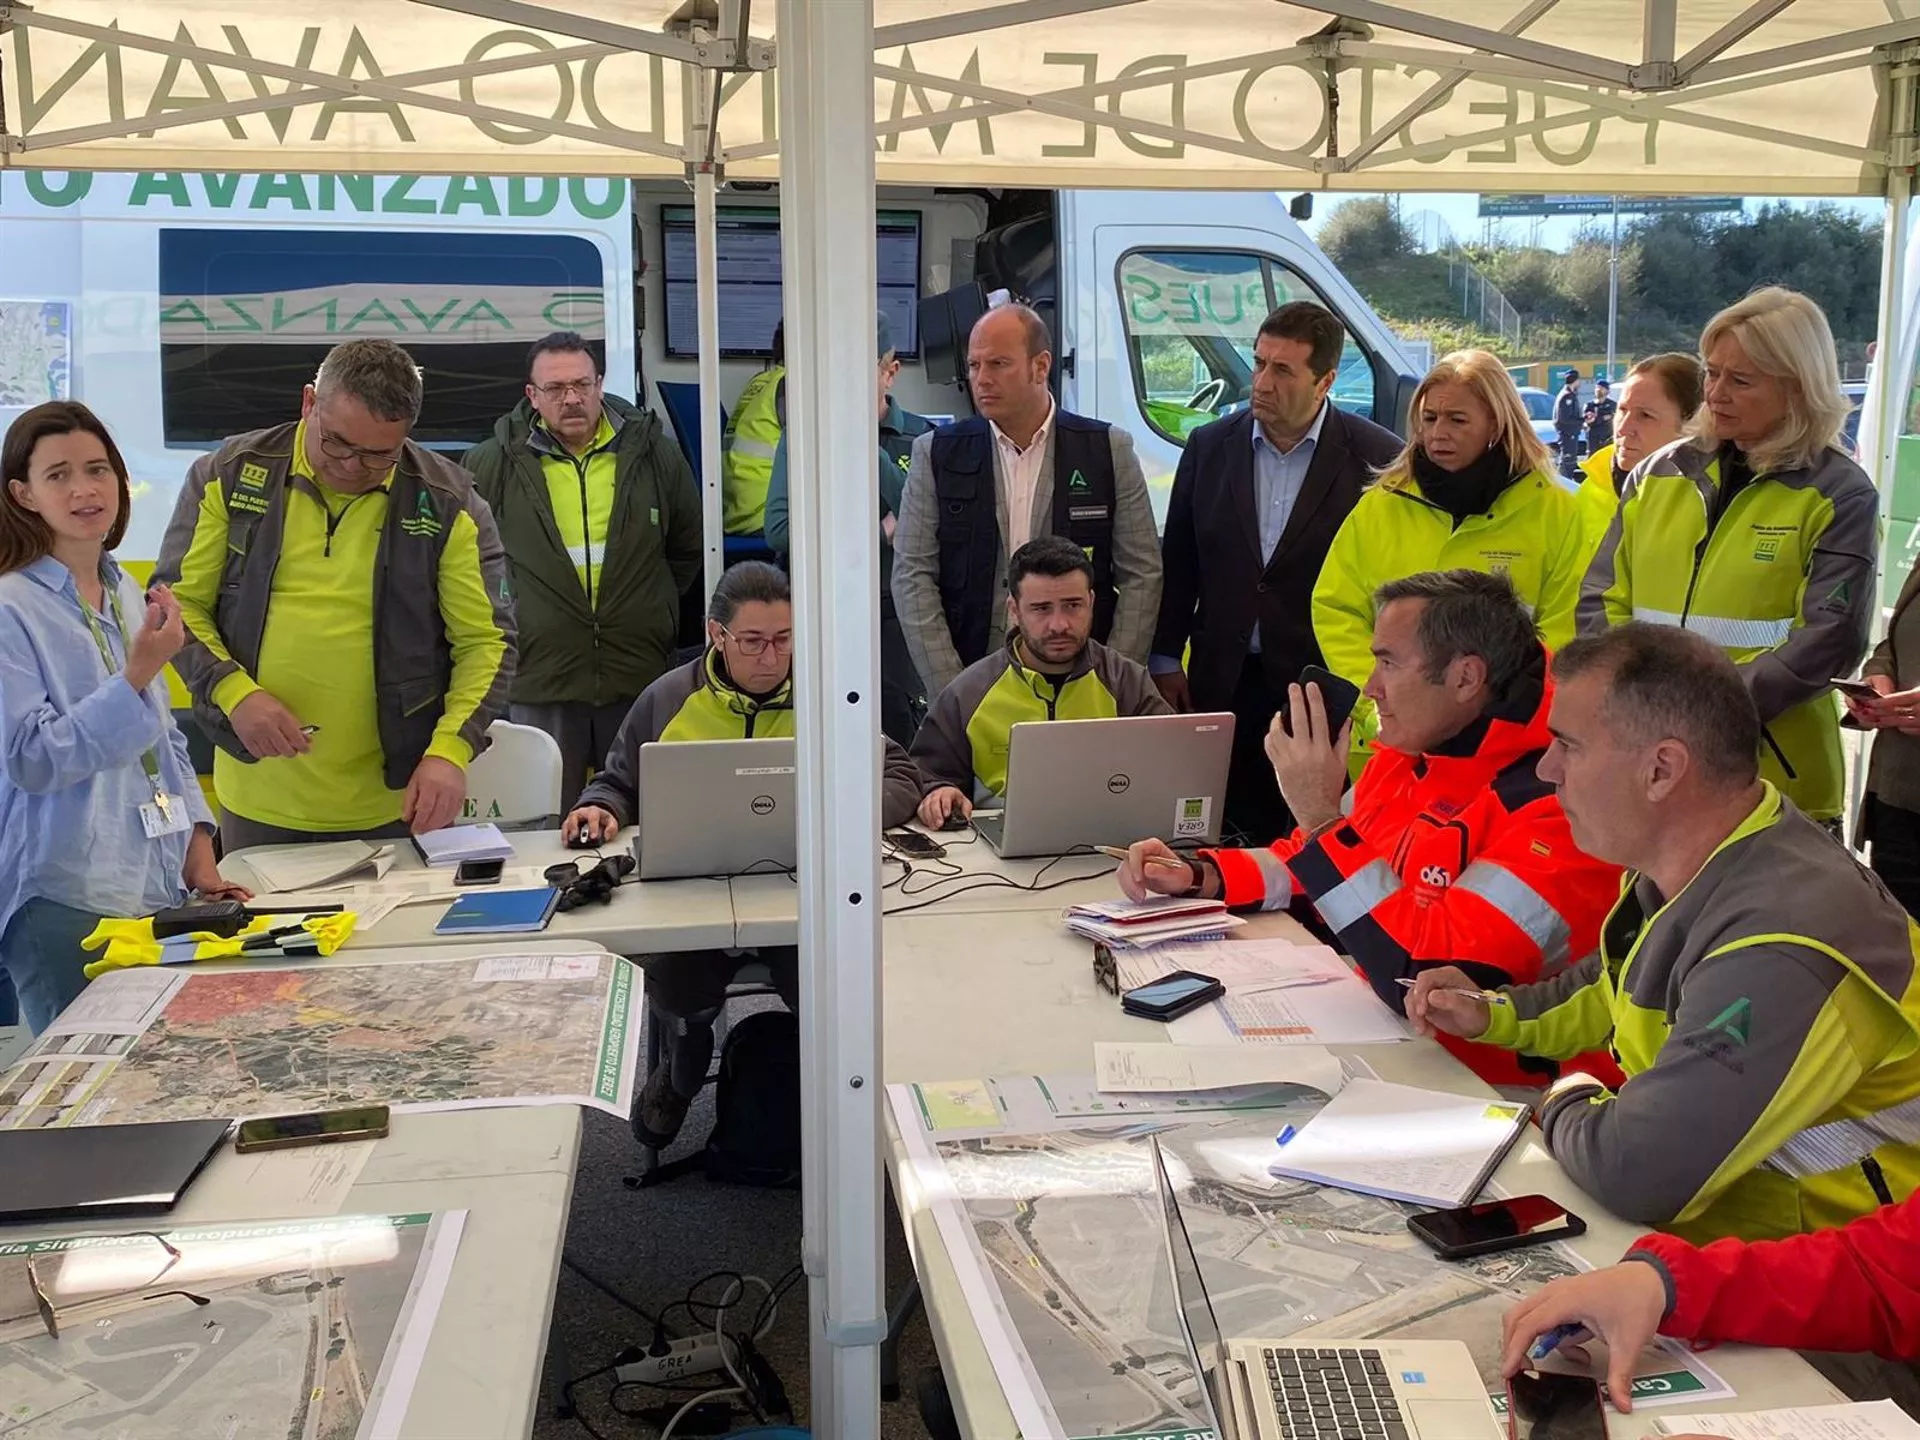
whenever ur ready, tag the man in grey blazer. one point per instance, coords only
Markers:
(979, 489)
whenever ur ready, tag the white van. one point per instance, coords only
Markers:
(187, 307)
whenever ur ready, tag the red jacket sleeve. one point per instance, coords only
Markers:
(1856, 1288)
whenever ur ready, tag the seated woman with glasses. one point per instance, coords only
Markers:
(741, 688)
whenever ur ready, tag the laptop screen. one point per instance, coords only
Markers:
(1204, 1343)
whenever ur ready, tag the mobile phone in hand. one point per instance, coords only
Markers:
(1337, 696)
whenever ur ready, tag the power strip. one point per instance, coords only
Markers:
(698, 1355)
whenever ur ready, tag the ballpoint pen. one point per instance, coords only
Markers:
(1171, 862)
(1492, 997)
(1553, 1340)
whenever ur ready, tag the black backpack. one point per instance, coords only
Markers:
(756, 1124)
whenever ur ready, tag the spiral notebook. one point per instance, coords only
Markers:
(1402, 1143)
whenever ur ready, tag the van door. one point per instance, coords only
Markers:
(1177, 313)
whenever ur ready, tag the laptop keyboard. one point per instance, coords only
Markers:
(1333, 1394)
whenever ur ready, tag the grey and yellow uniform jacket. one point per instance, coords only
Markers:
(699, 702)
(1768, 1022)
(963, 741)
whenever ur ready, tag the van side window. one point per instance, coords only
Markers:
(1191, 318)
(247, 315)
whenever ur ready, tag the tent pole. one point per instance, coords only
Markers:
(1887, 385)
(706, 270)
(827, 274)
(1613, 288)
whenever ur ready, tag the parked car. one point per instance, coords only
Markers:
(1540, 411)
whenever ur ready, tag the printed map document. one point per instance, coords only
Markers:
(1877, 1420)
(1402, 1143)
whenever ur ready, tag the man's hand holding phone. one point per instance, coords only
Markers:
(1309, 756)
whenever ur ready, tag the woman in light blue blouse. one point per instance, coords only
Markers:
(100, 813)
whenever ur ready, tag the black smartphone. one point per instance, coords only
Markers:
(1337, 695)
(1856, 689)
(479, 872)
(316, 1127)
(914, 845)
(1552, 1406)
(1495, 1225)
(1171, 996)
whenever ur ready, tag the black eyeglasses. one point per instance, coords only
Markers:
(50, 1314)
(1106, 973)
(334, 448)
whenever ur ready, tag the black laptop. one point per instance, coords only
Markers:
(92, 1171)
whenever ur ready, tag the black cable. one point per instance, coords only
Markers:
(1000, 882)
(568, 1262)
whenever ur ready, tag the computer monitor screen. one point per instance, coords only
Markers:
(747, 260)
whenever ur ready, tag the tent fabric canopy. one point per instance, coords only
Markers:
(1610, 96)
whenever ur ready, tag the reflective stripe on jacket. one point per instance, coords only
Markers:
(1783, 581)
(746, 452)
(1768, 1023)
(963, 741)
(1459, 857)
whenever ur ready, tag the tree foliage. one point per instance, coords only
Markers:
(1676, 270)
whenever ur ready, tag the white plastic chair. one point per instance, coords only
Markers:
(516, 782)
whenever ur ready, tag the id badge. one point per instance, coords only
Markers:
(164, 815)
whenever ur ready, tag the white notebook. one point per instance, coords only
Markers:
(1402, 1143)
(304, 867)
(459, 843)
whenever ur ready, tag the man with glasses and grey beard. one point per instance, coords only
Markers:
(600, 520)
(350, 625)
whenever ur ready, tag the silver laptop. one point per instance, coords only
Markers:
(1076, 783)
(716, 807)
(1313, 1390)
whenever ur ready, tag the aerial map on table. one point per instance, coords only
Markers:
(429, 1034)
(308, 1330)
(1055, 1235)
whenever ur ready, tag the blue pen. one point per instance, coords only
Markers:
(1285, 1135)
(1553, 1340)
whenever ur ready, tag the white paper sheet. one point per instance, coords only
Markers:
(1878, 1420)
(1152, 1067)
(285, 1184)
(1343, 1013)
(302, 867)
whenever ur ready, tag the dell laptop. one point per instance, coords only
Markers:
(1073, 784)
(716, 808)
(1318, 1390)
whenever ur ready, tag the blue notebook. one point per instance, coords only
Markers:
(499, 912)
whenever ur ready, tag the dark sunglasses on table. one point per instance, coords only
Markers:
(1106, 972)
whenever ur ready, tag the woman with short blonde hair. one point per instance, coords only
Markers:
(1473, 489)
(1758, 532)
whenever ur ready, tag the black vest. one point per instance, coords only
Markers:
(968, 522)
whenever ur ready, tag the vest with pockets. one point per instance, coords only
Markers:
(967, 523)
(412, 662)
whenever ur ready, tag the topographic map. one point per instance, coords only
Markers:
(430, 1034)
(1065, 1225)
(36, 351)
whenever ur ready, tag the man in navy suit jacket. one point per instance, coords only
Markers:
(1256, 501)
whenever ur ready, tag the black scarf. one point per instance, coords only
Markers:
(1471, 491)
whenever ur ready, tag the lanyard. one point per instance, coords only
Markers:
(149, 762)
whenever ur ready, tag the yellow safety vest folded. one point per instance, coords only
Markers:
(127, 943)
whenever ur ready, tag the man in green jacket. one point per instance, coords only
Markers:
(600, 519)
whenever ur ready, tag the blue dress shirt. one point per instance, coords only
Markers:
(71, 736)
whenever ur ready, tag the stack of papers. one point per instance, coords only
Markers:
(1155, 1068)
(1135, 924)
(1402, 1143)
(1279, 992)
(458, 844)
(281, 868)
(1873, 1420)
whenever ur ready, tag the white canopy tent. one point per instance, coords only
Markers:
(1629, 96)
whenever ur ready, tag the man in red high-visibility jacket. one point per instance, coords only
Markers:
(1454, 851)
